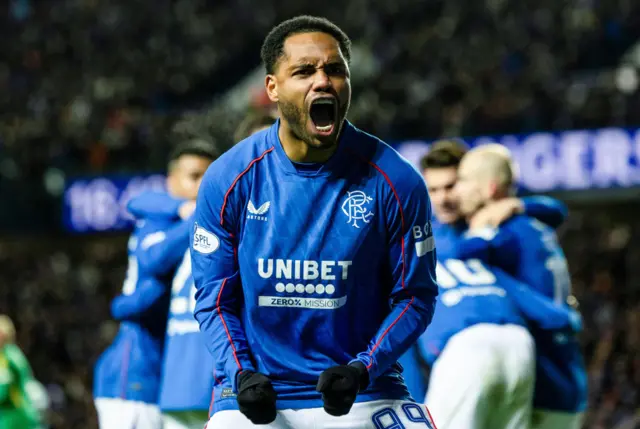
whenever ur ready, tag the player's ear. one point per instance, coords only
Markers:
(271, 86)
(493, 188)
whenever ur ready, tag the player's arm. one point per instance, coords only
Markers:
(546, 209)
(145, 296)
(6, 379)
(217, 279)
(155, 205)
(155, 247)
(19, 370)
(541, 310)
(414, 289)
(161, 251)
(495, 246)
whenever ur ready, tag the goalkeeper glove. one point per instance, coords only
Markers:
(256, 397)
(339, 386)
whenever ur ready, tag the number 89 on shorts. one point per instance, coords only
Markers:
(413, 417)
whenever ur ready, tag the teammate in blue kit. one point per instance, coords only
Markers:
(440, 172)
(186, 380)
(439, 168)
(527, 249)
(187, 372)
(482, 312)
(127, 375)
(312, 255)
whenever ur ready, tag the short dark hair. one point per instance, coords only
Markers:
(443, 154)
(273, 46)
(195, 147)
(252, 121)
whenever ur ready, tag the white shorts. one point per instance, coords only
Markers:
(115, 413)
(543, 419)
(484, 378)
(364, 415)
(185, 419)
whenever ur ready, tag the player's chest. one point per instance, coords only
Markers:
(305, 219)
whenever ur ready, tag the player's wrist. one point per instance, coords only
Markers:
(243, 376)
(362, 373)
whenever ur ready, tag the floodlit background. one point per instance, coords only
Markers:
(94, 93)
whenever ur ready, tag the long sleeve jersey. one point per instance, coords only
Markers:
(187, 368)
(528, 250)
(548, 210)
(17, 410)
(300, 267)
(131, 367)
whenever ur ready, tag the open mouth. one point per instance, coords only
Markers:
(323, 114)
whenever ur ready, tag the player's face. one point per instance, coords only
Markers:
(312, 88)
(471, 192)
(440, 183)
(185, 176)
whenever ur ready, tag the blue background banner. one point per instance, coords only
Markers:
(548, 162)
(99, 204)
(566, 161)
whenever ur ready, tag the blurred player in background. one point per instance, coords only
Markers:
(312, 255)
(17, 410)
(127, 375)
(187, 372)
(527, 249)
(252, 123)
(186, 381)
(440, 172)
(482, 312)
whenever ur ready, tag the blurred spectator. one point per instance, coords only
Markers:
(94, 85)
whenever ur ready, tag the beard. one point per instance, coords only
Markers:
(297, 119)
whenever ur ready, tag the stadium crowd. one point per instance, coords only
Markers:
(59, 296)
(96, 85)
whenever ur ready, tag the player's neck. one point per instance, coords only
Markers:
(299, 151)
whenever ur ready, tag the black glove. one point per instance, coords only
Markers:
(256, 397)
(340, 385)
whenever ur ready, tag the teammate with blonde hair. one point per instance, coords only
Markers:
(528, 250)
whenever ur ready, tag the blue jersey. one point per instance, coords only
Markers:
(187, 379)
(302, 267)
(470, 294)
(415, 372)
(130, 367)
(528, 249)
(187, 372)
(548, 210)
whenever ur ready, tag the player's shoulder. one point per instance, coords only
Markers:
(240, 157)
(15, 356)
(147, 232)
(386, 160)
(523, 224)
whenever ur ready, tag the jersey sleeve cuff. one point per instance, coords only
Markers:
(365, 374)
(234, 378)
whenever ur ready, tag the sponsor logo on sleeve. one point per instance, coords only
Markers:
(424, 241)
(204, 241)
